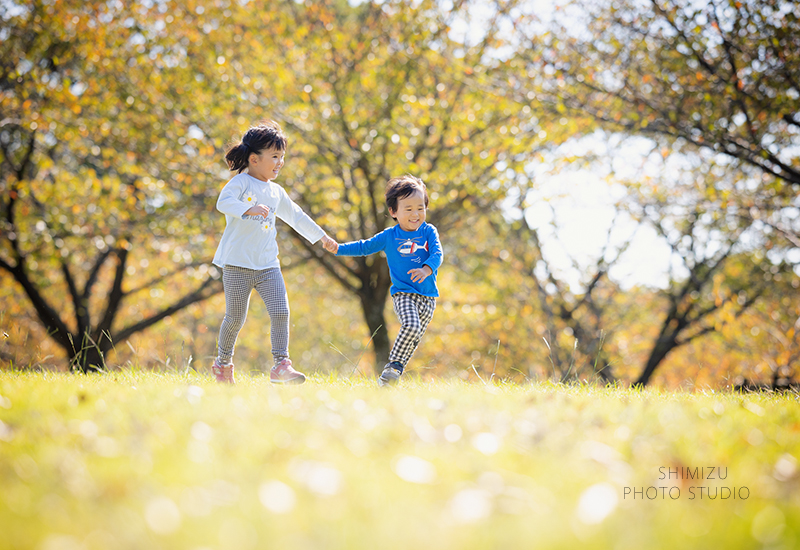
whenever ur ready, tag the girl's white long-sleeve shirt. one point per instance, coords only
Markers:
(250, 241)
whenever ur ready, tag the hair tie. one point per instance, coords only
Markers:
(247, 145)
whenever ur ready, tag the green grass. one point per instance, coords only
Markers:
(131, 460)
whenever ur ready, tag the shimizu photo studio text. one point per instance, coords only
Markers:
(704, 482)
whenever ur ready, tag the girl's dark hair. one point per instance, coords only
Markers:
(267, 135)
(402, 187)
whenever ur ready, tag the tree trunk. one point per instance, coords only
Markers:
(375, 285)
(89, 358)
(662, 347)
(87, 349)
(373, 308)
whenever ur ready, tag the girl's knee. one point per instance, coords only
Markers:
(281, 314)
(234, 321)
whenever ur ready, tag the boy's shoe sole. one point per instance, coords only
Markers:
(389, 376)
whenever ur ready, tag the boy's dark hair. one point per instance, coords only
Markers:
(402, 187)
(267, 135)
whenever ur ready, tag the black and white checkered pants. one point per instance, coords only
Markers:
(415, 313)
(238, 283)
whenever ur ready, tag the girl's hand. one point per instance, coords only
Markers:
(258, 210)
(420, 274)
(330, 245)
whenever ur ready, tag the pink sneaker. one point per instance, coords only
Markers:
(224, 373)
(283, 373)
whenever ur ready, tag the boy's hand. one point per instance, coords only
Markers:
(258, 210)
(330, 245)
(420, 274)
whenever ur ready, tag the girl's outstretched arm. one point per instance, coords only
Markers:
(298, 220)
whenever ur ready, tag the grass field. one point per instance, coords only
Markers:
(132, 460)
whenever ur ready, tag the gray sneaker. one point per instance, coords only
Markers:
(391, 373)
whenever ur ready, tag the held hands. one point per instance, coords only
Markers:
(258, 210)
(330, 245)
(420, 274)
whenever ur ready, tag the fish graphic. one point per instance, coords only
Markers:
(409, 247)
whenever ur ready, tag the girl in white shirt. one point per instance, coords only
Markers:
(248, 250)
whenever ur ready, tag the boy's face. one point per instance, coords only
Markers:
(410, 213)
(267, 164)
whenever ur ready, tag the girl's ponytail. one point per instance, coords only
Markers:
(236, 157)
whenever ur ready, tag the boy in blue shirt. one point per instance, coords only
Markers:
(414, 254)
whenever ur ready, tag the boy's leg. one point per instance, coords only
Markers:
(426, 306)
(415, 313)
(237, 284)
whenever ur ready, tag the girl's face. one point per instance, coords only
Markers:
(410, 213)
(266, 165)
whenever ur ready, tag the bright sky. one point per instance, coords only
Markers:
(581, 203)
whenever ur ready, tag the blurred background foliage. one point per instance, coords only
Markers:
(114, 118)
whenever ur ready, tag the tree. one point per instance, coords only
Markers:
(718, 83)
(718, 269)
(722, 75)
(767, 340)
(577, 321)
(95, 188)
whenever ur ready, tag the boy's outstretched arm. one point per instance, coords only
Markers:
(363, 248)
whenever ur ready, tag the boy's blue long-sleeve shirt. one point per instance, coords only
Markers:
(405, 250)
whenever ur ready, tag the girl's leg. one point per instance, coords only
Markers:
(237, 283)
(272, 289)
(415, 313)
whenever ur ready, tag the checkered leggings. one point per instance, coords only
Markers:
(415, 313)
(238, 282)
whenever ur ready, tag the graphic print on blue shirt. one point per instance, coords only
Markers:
(409, 247)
